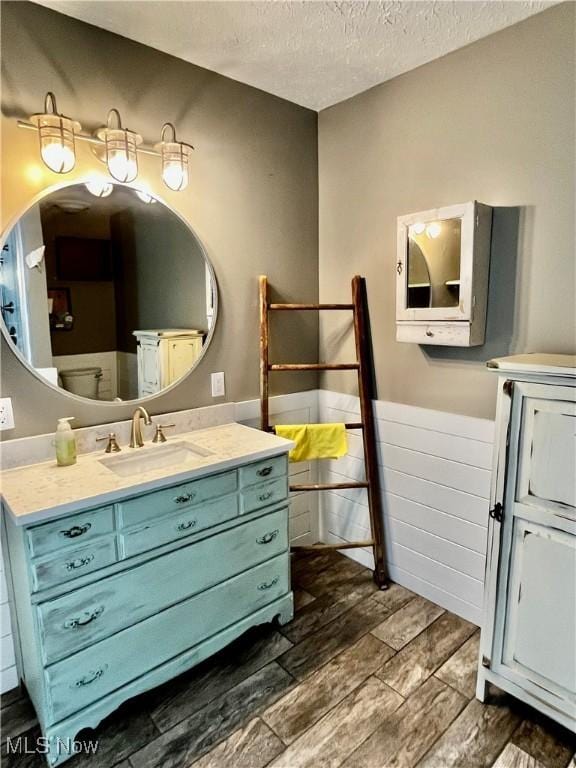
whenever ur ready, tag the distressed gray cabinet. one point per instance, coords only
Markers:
(528, 644)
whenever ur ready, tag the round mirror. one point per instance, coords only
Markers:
(106, 293)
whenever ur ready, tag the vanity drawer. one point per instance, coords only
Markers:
(73, 563)
(77, 620)
(264, 495)
(69, 531)
(77, 681)
(153, 505)
(263, 470)
(189, 522)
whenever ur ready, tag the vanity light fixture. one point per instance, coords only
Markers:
(99, 187)
(120, 148)
(113, 144)
(56, 133)
(175, 159)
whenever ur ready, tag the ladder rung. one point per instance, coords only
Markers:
(291, 307)
(314, 367)
(326, 486)
(349, 425)
(344, 545)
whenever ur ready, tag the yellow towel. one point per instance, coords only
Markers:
(315, 441)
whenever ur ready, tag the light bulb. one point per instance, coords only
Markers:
(433, 230)
(122, 168)
(57, 157)
(99, 187)
(175, 175)
(418, 228)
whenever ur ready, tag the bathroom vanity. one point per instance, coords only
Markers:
(529, 631)
(127, 570)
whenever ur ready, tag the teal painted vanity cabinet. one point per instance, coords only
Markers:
(115, 599)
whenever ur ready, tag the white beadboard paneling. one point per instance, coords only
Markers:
(5, 625)
(435, 484)
(441, 444)
(425, 418)
(448, 526)
(7, 658)
(8, 679)
(295, 408)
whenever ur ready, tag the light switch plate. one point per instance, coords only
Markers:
(6, 413)
(217, 381)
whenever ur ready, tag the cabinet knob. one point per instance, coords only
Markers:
(429, 332)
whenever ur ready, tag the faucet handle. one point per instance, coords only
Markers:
(159, 436)
(112, 445)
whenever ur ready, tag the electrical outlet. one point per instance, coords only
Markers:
(6, 413)
(217, 381)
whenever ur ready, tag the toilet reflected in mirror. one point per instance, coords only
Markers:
(106, 292)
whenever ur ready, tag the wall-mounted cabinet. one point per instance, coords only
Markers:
(442, 275)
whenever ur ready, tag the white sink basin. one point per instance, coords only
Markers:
(171, 455)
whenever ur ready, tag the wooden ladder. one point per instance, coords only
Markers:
(363, 365)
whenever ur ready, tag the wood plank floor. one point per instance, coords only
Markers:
(359, 679)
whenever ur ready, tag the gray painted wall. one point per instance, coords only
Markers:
(253, 197)
(494, 122)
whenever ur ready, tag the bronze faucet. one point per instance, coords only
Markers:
(136, 432)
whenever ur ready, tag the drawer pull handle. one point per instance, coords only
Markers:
(91, 677)
(79, 562)
(265, 496)
(86, 618)
(264, 472)
(76, 530)
(268, 584)
(267, 537)
(184, 498)
(187, 525)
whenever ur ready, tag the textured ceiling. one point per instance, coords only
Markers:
(313, 53)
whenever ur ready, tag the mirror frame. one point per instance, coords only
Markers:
(86, 400)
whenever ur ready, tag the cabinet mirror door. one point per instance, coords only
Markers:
(433, 258)
(434, 264)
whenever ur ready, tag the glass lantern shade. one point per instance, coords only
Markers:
(175, 160)
(121, 145)
(56, 135)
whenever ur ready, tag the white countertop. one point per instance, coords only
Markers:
(40, 492)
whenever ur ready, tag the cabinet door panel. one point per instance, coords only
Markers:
(540, 632)
(547, 451)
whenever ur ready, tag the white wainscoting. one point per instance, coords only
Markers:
(435, 483)
(297, 408)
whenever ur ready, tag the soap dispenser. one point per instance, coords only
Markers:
(65, 443)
